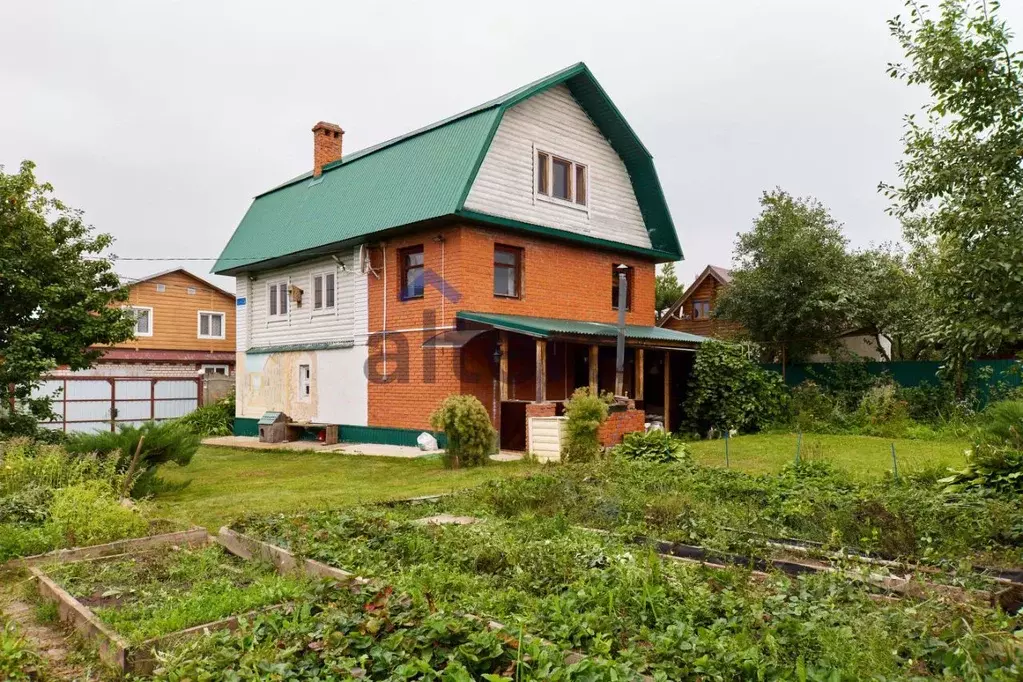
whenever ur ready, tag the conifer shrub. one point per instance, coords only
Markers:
(585, 412)
(466, 423)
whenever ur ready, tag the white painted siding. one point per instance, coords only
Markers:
(554, 122)
(302, 324)
(544, 437)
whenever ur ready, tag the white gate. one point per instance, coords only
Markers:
(97, 404)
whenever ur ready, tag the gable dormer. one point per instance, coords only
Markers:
(550, 165)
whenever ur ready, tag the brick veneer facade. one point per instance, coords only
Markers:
(540, 410)
(559, 280)
(619, 423)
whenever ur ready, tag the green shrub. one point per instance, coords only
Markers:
(27, 465)
(882, 412)
(813, 409)
(729, 391)
(168, 441)
(585, 413)
(995, 462)
(90, 513)
(465, 422)
(215, 419)
(19, 539)
(652, 446)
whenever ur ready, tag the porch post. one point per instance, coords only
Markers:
(541, 370)
(503, 371)
(594, 357)
(637, 374)
(667, 391)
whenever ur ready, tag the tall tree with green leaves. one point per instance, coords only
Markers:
(961, 189)
(58, 297)
(667, 290)
(791, 288)
(887, 301)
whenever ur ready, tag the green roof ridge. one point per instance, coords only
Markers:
(346, 220)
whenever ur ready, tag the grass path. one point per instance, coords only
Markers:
(865, 455)
(225, 483)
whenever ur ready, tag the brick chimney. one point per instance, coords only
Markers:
(326, 145)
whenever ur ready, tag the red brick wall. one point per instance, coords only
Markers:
(540, 410)
(620, 423)
(558, 280)
(408, 397)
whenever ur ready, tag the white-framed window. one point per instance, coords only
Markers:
(561, 180)
(160, 288)
(143, 320)
(215, 369)
(304, 382)
(324, 291)
(211, 324)
(191, 291)
(277, 299)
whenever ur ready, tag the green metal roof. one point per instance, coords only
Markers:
(544, 327)
(427, 174)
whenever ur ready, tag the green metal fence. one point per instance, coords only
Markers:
(904, 373)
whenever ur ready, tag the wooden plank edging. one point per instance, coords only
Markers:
(193, 536)
(284, 561)
(112, 647)
(142, 660)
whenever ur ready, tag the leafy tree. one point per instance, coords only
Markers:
(961, 190)
(57, 299)
(667, 290)
(791, 289)
(728, 390)
(887, 300)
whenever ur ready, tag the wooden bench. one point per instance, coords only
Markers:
(330, 431)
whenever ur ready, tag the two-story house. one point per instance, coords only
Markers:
(693, 312)
(477, 255)
(184, 328)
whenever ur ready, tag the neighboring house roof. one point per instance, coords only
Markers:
(150, 355)
(545, 327)
(131, 281)
(427, 174)
(722, 275)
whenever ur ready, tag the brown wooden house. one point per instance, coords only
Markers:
(694, 311)
(184, 326)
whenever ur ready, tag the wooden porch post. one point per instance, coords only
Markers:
(503, 372)
(594, 358)
(541, 370)
(637, 374)
(667, 391)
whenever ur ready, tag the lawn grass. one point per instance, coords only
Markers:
(859, 455)
(225, 483)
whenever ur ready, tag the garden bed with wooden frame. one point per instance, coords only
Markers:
(139, 658)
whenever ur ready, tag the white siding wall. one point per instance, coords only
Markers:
(554, 122)
(346, 322)
(269, 381)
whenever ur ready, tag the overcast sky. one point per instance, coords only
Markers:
(163, 119)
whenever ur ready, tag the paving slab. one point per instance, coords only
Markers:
(446, 520)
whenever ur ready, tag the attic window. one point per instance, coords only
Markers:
(561, 179)
(160, 288)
